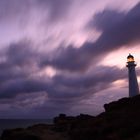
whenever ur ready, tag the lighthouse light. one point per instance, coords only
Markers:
(130, 59)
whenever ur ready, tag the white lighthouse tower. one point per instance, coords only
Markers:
(133, 83)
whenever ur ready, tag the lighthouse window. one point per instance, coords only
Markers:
(130, 59)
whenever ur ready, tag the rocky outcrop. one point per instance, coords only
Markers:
(124, 103)
(120, 121)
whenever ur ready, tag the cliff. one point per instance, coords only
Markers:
(120, 121)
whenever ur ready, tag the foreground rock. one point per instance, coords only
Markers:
(36, 132)
(120, 121)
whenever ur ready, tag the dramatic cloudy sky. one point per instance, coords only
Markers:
(65, 56)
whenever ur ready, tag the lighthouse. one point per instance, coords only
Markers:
(133, 83)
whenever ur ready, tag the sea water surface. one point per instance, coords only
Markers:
(21, 123)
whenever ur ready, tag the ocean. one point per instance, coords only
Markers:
(21, 123)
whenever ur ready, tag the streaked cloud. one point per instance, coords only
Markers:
(49, 61)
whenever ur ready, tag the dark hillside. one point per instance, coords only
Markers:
(120, 121)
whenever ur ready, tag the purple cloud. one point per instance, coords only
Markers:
(77, 72)
(118, 29)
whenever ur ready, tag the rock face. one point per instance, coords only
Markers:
(120, 121)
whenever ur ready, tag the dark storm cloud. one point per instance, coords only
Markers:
(17, 61)
(70, 58)
(22, 62)
(12, 88)
(98, 74)
(62, 86)
(63, 90)
(21, 53)
(19, 77)
(83, 84)
(118, 29)
(18, 65)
